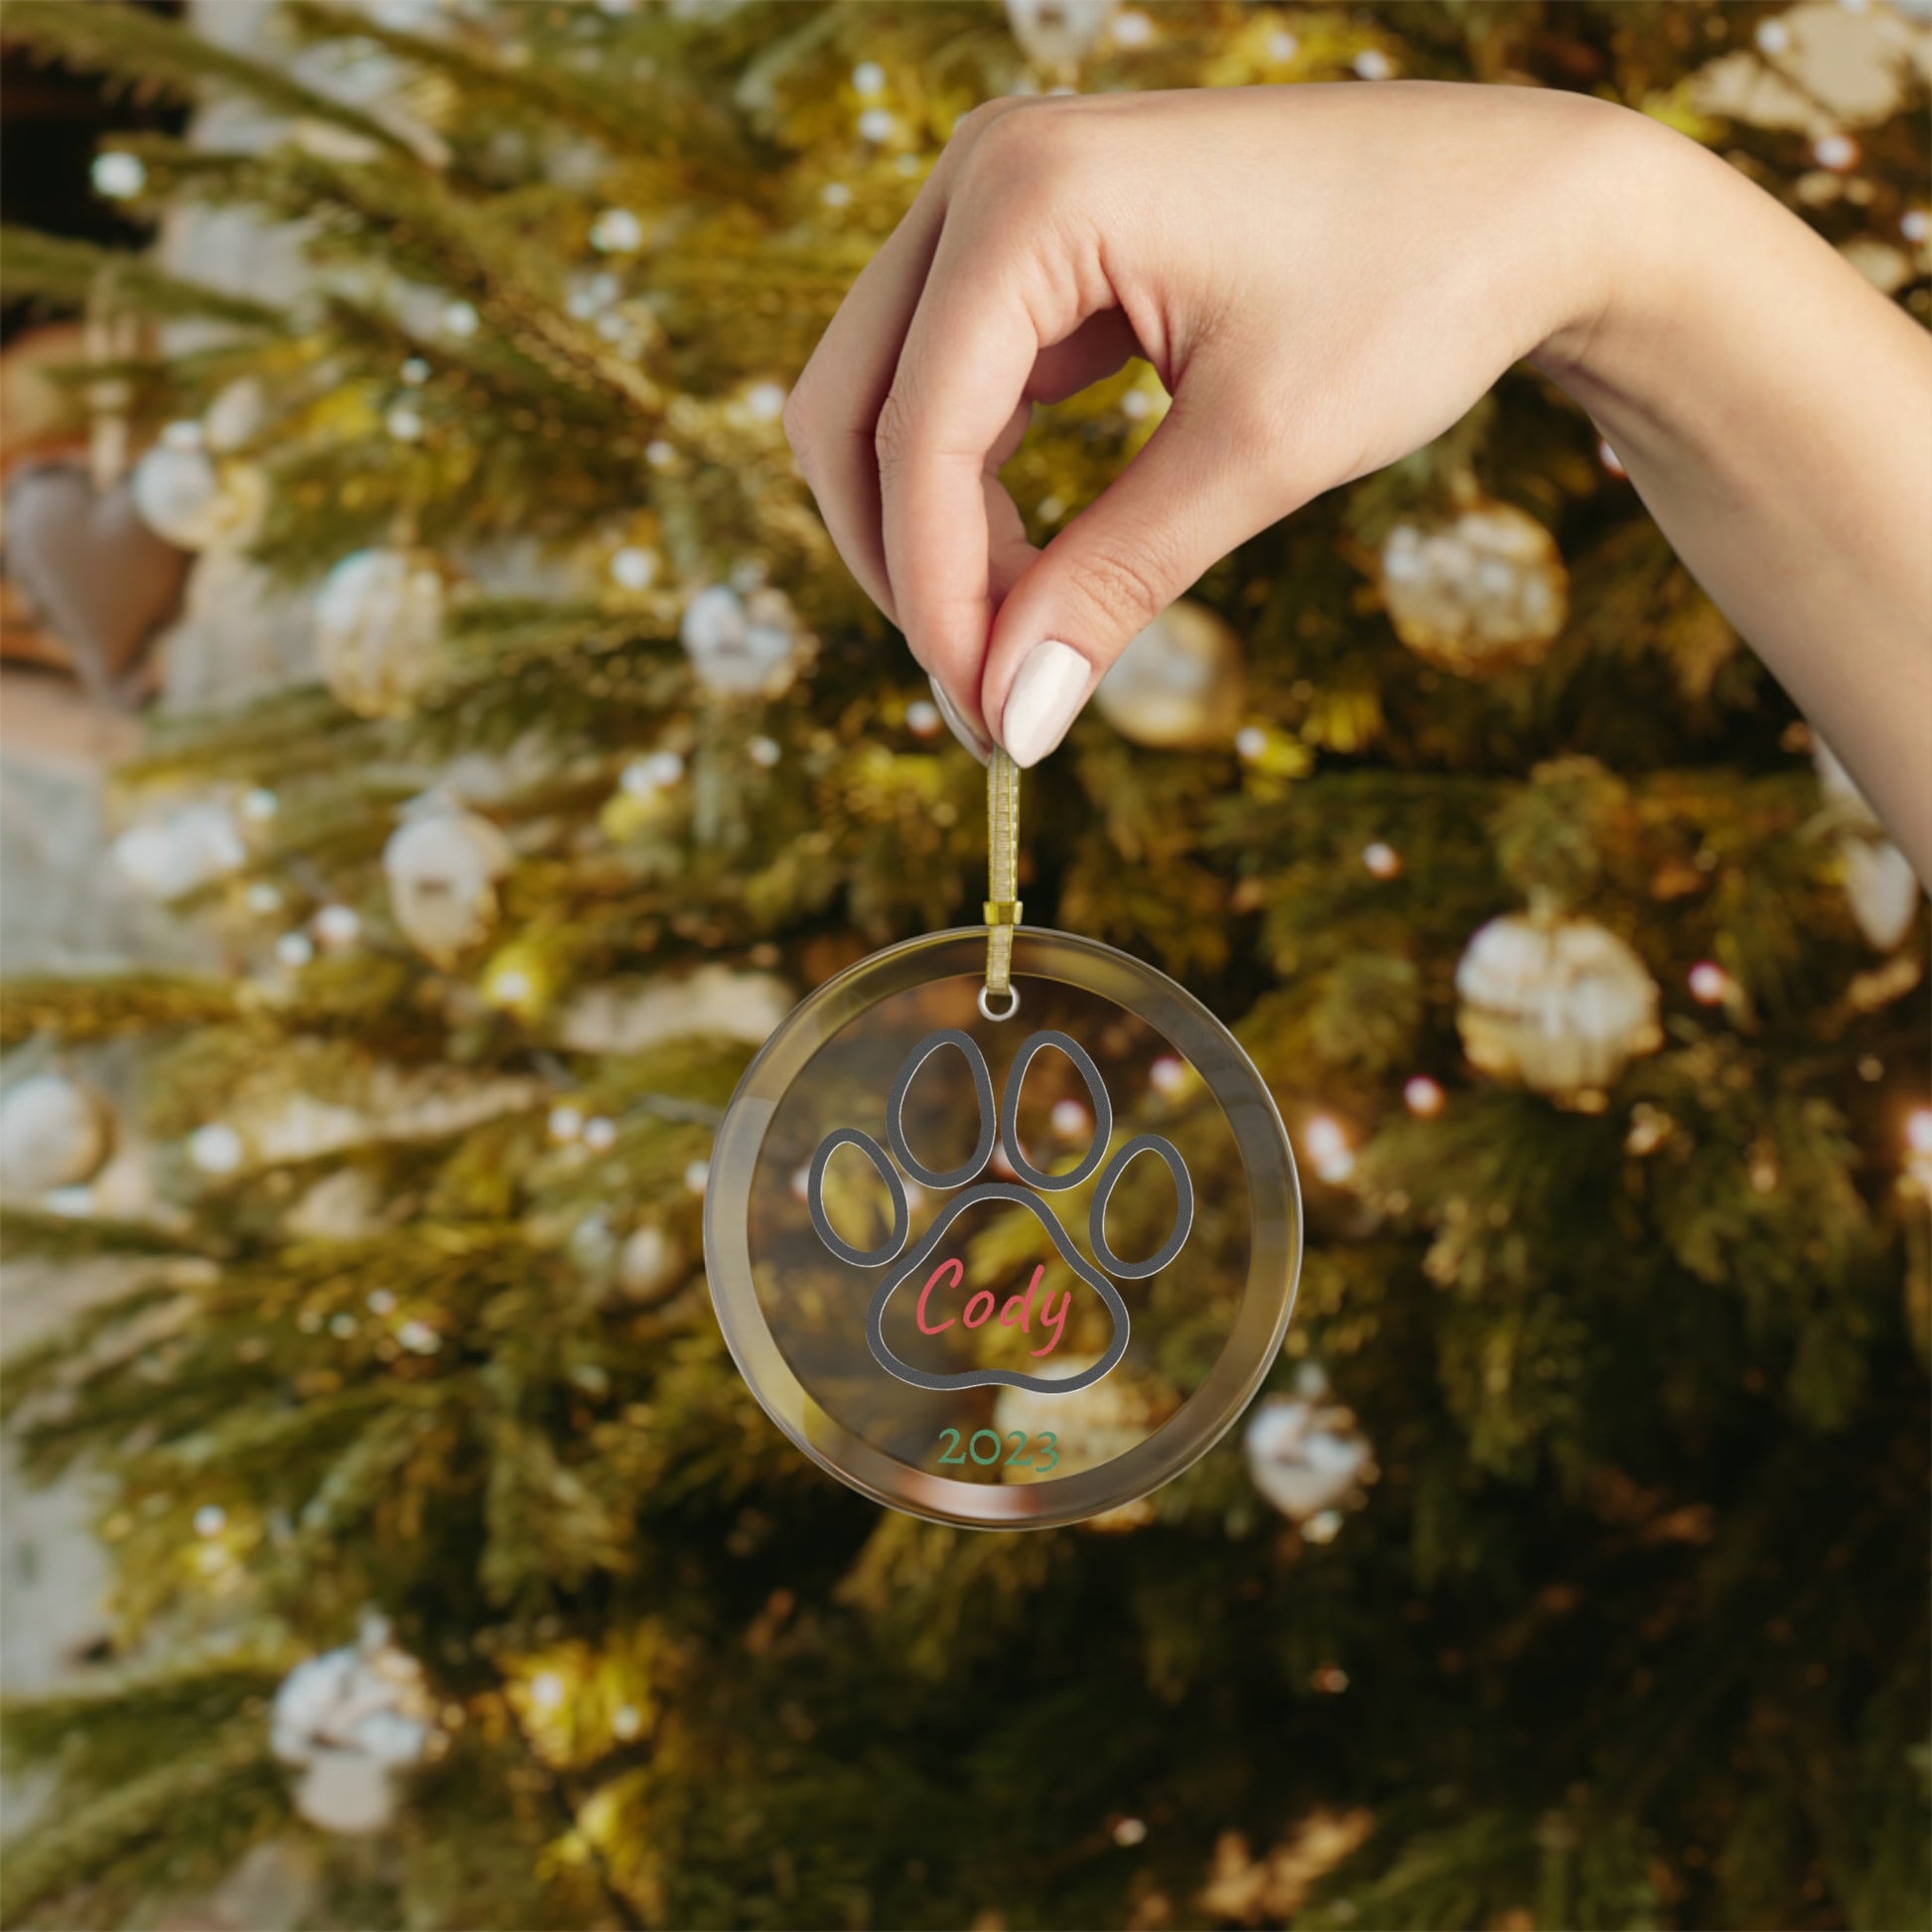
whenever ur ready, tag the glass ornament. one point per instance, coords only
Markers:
(935, 1275)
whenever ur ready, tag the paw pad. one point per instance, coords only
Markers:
(997, 1125)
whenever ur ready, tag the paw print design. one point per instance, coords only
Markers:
(1001, 1123)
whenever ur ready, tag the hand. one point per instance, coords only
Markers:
(1325, 278)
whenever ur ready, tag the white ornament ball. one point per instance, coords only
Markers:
(1880, 883)
(1109, 1419)
(53, 1133)
(652, 1264)
(379, 629)
(1179, 684)
(1560, 1005)
(345, 1793)
(1305, 1453)
(350, 1720)
(191, 500)
(741, 647)
(1059, 34)
(1484, 591)
(185, 849)
(443, 865)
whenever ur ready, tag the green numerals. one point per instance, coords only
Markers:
(957, 1447)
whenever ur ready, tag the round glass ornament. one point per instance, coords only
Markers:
(1007, 1263)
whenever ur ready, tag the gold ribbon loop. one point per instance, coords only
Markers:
(1002, 883)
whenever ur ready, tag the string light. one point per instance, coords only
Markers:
(1709, 983)
(118, 177)
(633, 568)
(1382, 859)
(1168, 1077)
(1838, 152)
(655, 771)
(1328, 1150)
(617, 231)
(599, 1134)
(764, 402)
(566, 1123)
(922, 719)
(419, 1338)
(509, 986)
(1423, 1097)
(1918, 1149)
(338, 925)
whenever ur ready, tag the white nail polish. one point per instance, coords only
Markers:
(957, 725)
(1044, 699)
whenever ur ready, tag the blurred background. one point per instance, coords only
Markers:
(439, 744)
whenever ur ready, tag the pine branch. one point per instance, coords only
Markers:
(112, 1005)
(179, 1817)
(643, 114)
(157, 56)
(75, 273)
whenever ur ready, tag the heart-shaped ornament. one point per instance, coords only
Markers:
(104, 582)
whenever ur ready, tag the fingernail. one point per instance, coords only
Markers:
(957, 725)
(1044, 699)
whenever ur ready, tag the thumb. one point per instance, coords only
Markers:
(1192, 494)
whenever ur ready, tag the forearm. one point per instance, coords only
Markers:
(1775, 414)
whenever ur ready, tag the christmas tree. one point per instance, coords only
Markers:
(1572, 1571)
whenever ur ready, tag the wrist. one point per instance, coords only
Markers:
(1629, 201)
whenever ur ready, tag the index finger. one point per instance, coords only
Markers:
(957, 396)
(833, 412)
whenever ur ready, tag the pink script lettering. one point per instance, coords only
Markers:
(1018, 1313)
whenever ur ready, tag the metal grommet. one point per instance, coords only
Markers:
(1013, 1004)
